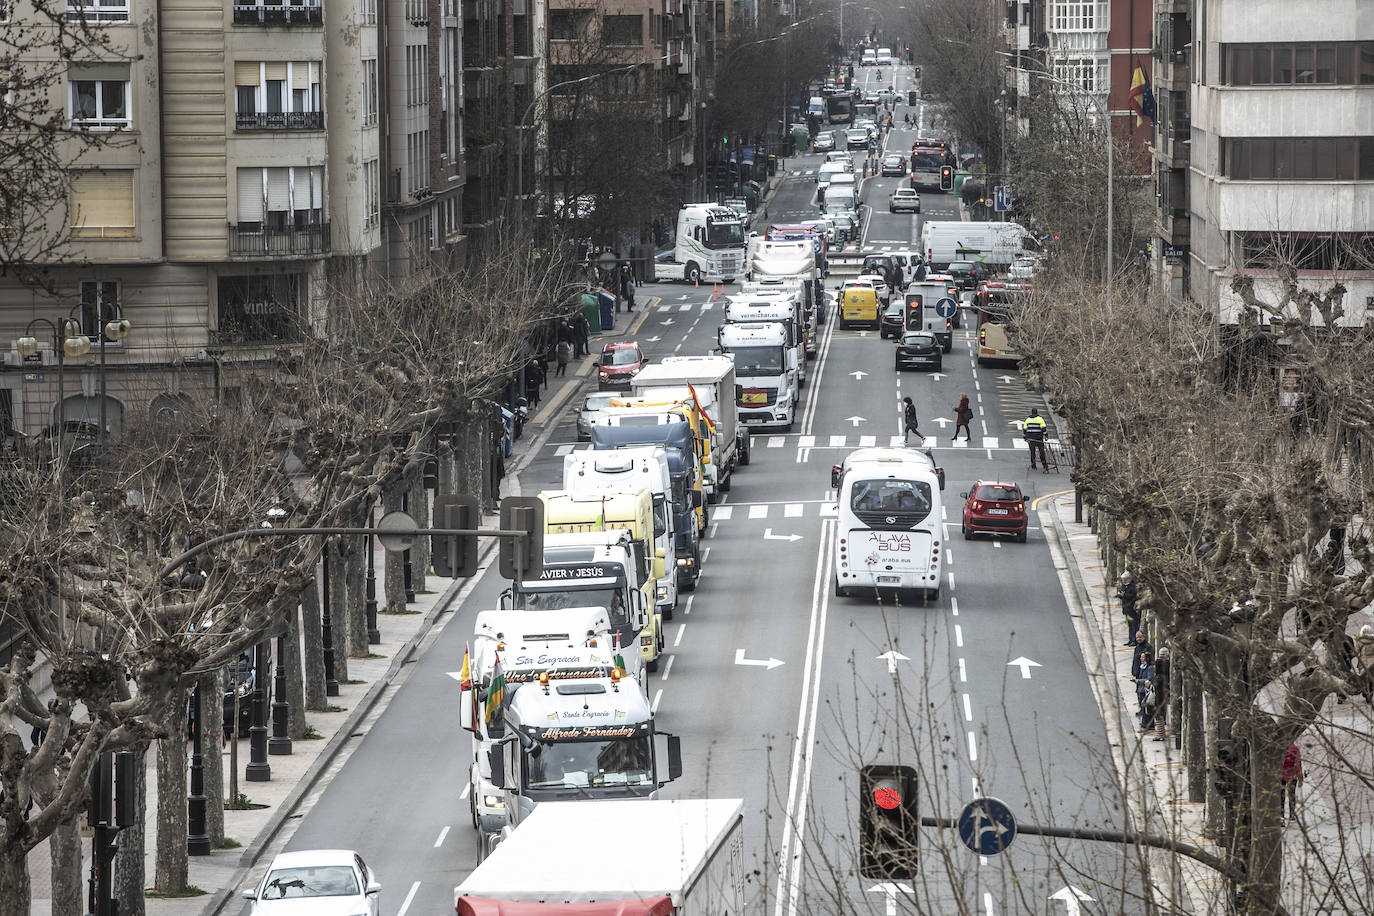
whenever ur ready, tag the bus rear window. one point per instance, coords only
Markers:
(888, 494)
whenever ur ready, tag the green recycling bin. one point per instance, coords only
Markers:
(801, 139)
(591, 311)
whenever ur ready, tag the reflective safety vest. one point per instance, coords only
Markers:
(1034, 427)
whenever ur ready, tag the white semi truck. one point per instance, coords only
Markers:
(713, 380)
(710, 246)
(573, 642)
(682, 858)
(765, 372)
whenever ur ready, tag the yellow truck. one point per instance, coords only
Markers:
(599, 512)
(677, 409)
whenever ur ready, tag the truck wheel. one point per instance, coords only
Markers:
(691, 272)
(727, 483)
(652, 665)
(744, 452)
(933, 594)
(840, 592)
(668, 611)
(949, 344)
(472, 808)
(713, 497)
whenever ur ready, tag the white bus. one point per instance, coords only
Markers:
(889, 531)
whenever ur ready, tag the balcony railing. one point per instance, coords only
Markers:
(279, 120)
(278, 14)
(264, 242)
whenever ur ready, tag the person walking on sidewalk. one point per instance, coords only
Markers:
(1291, 778)
(1160, 688)
(1033, 428)
(582, 329)
(1143, 691)
(627, 286)
(909, 422)
(563, 353)
(963, 413)
(1128, 593)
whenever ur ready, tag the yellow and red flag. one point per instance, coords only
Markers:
(701, 411)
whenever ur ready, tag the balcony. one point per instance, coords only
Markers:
(278, 14)
(271, 242)
(279, 120)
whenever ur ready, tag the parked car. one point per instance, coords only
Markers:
(317, 882)
(892, 325)
(824, 142)
(856, 138)
(894, 166)
(994, 507)
(593, 403)
(967, 274)
(919, 350)
(620, 362)
(904, 199)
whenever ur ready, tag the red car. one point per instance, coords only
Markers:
(994, 507)
(619, 363)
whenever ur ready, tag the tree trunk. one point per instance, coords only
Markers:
(313, 640)
(472, 458)
(1215, 810)
(15, 893)
(336, 560)
(394, 578)
(448, 469)
(295, 683)
(1194, 740)
(129, 873)
(357, 594)
(419, 553)
(1265, 866)
(65, 847)
(211, 714)
(170, 873)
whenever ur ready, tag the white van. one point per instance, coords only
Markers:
(827, 172)
(884, 57)
(816, 107)
(843, 185)
(869, 59)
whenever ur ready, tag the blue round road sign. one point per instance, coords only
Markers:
(987, 826)
(946, 307)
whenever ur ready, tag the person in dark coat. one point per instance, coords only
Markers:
(963, 414)
(910, 424)
(584, 336)
(1160, 688)
(1128, 594)
(1142, 690)
(1291, 778)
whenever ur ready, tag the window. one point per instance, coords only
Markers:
(372, 196)
(1299, 158)
(568, 24)
(1073, 16)
(99, 96)
(417, 161)
(280, 198)
(95, 10)
(370, 91)
(1336, 63)
(99, 305)
(417, 12)
(622, 30)
(1319, 251)
(417, 75)
(263, 308)
(368, 12)
(102, 204)
(276, 94)
(1079, 71)
(624, 84)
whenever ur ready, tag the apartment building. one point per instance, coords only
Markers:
(244, 184)
(1280, 160)
(1096, 45)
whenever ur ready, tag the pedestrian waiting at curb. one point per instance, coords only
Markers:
(563, 354)
(1143, 691)
(1142, 649)
(1291, 778)
(1128, 593)
(1159, 688)
(963, 414)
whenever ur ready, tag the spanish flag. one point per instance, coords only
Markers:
(1142, 100)
(701, 411)
(465, 677)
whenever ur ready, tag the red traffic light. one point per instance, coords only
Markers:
(887, 797)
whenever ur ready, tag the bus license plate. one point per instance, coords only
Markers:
(889, 580)
(997, 512)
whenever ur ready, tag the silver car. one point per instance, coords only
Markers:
(590, 411)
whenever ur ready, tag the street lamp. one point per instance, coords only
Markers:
(67, 341)
(197, 837)
(280, 742)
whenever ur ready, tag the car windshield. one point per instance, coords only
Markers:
(620, 357)
(609, 597)
(579, 764)
(757, 360)
(999, 491)
(885, 494)
(310, 881)
(597, 401)
(893, 160)
(893, 311)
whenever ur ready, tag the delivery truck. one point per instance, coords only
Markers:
(995, 245)
(683, 857)
(711, 383)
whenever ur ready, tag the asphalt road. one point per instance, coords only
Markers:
(789, 737)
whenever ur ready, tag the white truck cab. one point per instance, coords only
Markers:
(765, 372)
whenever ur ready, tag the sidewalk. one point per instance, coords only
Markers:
(307, 770)
(1330, 852)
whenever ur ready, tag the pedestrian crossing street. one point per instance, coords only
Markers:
(762, 441)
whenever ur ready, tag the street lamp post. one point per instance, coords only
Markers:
(67, 341)
(259, 770)
(374, 635)
(197, 837)
(117, 328)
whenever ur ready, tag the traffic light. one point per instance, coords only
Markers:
(454, 556)
(912, 315)
(889, 821)
(522, 557)
(946, 178)
(918, 71)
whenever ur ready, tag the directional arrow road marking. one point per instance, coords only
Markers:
(892, 657)
(667, 321)
(937, 375)
(768, 535)
(1071, 896)
(944, 421)
(857, 420)
(1024, 664)
(890, 890)
(652, 339)
(769, 663)
(1006, 378)
(858, 374)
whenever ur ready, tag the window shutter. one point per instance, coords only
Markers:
(278, 189)
(102, 199)
(93, 70)
(250, 195)
(276, 70)
(317, 187)
(300, 75)
(247, 73)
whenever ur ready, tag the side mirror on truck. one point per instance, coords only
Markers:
(835, 472)
(696, 499)
(496, 757)
(674, 758)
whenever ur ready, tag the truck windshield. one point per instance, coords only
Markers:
(611, 597)
(757, 360)
(582, 764)
(660, 515)
(724, 235)
(889, 494)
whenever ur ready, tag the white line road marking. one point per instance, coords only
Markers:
(897, 441)
(776, 441)
(658, 695)
(704, 554)
(972, 747)
(792, 510)
(686, 609)
(806, 441)
(669, 667)
(949, 557)
(958, 636)
(963, 672)
(712, 528)
(997, 544)
(959, 443)
(443, 834)
(677, 640)
(867, 441)
(409, 897)
(563, 450)
(987, 904)
(837, 441)
(758, 510)
(686, 306)
(977, 787)
(968, 709)
(467, 787)
(990, 442)
(723, 513)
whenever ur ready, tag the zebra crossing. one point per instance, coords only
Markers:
(765, 510)
(985, 443)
